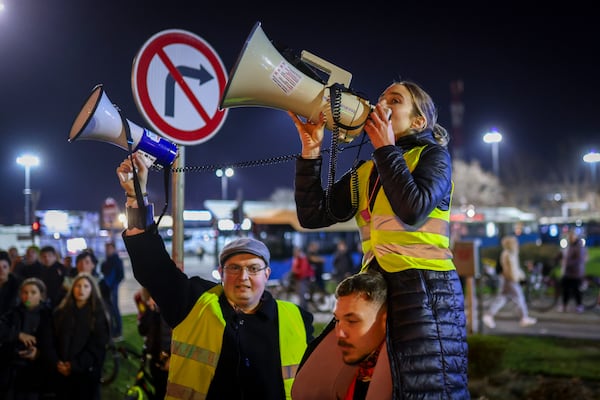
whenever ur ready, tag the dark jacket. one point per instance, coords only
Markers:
(252, 338)
(157, 344)
(113, 271)
(24, 271)
(9, 293)
(576, 257)
(80, 337)
(54, 276)
(22, 374)
(343, 265)
(155, 330)
(427, 344)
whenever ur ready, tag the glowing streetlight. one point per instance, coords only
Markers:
(28, 161)
(494, 137)
(592, 158)
(224, 175)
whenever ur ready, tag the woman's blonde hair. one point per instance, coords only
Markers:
(425, 107)
(510, 242)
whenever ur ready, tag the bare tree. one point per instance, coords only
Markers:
(282, 196)
(472, 185)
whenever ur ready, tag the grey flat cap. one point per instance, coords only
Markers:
(244, 245)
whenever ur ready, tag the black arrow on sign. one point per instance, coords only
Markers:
(201, 74)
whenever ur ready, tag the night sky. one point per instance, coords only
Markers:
(533, 77)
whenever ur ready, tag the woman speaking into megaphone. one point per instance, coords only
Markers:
(401, 204)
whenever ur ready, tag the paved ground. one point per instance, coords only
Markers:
(551, 323)
(569, 324)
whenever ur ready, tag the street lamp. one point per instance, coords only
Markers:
(494, 137)
(224, 175)
(28, 161)
(592, 158)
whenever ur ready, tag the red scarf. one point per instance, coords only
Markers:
(364, 373)
(366, 367)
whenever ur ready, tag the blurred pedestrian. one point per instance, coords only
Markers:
(317, 263)
(113, 273)
(67, 262)
(53, 275)
(510, 285)
(157, 340)
(9, 285)
(343, 265)
(302, 274)
(573, 271)
(30, 265)
(15, 257)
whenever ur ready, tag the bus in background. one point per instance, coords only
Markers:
(554, 230)
(281, 231)
(277, 225)
(490, 224)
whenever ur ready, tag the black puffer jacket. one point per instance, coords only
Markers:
(412, 195)
(426, 339)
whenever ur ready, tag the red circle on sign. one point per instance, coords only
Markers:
(155, 48)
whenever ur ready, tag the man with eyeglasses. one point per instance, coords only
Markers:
(230, 341)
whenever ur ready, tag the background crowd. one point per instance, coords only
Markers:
(56, 320)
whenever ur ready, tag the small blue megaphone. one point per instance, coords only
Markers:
(100, 120)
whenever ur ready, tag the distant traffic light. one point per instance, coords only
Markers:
(36, 227)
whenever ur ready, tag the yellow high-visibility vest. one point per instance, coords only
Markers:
(395, 245)
(195, 352)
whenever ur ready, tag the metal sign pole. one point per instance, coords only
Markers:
(178, 191)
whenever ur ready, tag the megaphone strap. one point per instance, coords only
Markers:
(141, 222)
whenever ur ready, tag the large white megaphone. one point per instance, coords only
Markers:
(100, 120)
(262, 77)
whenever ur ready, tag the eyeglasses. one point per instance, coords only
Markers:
(235, 269)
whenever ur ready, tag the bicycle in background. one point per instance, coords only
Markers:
(590, 291)
(112, 364)
(543, 290)
(318, 302)
(143, 386)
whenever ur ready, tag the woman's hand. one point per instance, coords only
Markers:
(27, 339)
(311, 135)
(29, 353)
(125, 173)
(379, 127)
(64, 368)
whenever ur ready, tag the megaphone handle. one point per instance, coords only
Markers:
(147, 160)
(336, 74)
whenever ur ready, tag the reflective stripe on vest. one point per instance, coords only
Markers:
(195, 352)
(396, 245)
(292, 342)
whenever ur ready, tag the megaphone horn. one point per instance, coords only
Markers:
(100, 120)
(262, 77)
